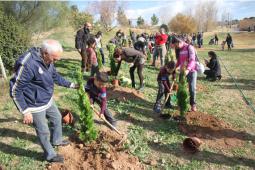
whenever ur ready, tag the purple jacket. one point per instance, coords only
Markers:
(187, 58)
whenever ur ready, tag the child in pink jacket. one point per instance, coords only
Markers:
(92, 57)
(187, 60)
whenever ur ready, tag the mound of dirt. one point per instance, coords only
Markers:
(214, 132)
(101, 154)
(123, 94)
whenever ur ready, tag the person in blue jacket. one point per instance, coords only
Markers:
(31, 89)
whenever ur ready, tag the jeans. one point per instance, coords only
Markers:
(161, 52)
(139, 71)
(161, 92)
(47, 136)
(192, 82)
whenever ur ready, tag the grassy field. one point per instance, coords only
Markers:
(19, 148)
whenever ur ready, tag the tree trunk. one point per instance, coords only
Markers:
(2, 68)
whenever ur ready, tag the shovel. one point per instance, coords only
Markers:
(163, 106)
(124, 136)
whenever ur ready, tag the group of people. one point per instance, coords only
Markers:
(32, 85)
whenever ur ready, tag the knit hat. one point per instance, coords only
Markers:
(102, 77)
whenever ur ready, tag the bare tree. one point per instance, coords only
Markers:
(106, 10)
(206, 15)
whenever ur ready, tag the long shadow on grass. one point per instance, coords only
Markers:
(249, 50)
(202, 132)
(14, 134)
(15, 151)
(209, 157)
(9, 120)
(244, 84)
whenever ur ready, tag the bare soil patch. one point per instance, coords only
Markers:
(101, 154)
(214, 132)
(124, 93)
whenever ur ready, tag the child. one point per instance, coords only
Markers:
(96, 89)
(214, 65)
(223, 45)
(99, 45)
(92, 58)
(164, 85)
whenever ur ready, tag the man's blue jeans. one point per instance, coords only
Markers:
(48, 135)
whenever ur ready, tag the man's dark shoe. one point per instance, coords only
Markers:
(64, 143)
(57, 158)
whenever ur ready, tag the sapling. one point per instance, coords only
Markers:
(99, 58)
(111, 48)
(88, 131)
(182, 94)
(148, 56)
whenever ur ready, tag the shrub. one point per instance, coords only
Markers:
(99, 58)
(182, 94)
(88, 132)
(14, 40)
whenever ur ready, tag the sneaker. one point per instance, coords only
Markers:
(141, 88)
(57, 158)
(63, 143)
(193, 108)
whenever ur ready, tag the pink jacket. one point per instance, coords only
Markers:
(188, 61)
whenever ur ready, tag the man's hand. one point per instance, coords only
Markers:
(28, 118)
(74, 86)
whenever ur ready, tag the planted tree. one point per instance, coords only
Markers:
(182, 94)
(99, 59)
(148, 56)
(111, 48)
(88, 132)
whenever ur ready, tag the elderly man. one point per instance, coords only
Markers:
(81, 39)
(32, 88)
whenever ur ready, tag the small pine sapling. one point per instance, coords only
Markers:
(148, 56)
(182, 94)
(111, 48)
(88, 131)
(99, 58)
(167, 57)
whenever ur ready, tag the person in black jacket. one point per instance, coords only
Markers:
(81, 39)
(214, 65)
(131, 55)
(229, 41)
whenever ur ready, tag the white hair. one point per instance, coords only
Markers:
(51, 46)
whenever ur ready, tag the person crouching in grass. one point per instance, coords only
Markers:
(164, 85)
(92, 58)
(213, 64)
(96, 89)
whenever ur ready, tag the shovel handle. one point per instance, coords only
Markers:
(108, 123)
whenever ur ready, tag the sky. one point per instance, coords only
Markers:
(166, 9)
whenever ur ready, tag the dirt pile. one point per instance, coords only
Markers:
(213, 132)
(99, 155)
(123, 94)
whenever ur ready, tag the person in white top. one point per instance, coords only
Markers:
(99, 45)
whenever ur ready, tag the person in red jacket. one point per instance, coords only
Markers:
(160, 47)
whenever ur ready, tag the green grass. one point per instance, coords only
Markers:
(150, 138)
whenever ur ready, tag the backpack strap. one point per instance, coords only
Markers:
(196, 58)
